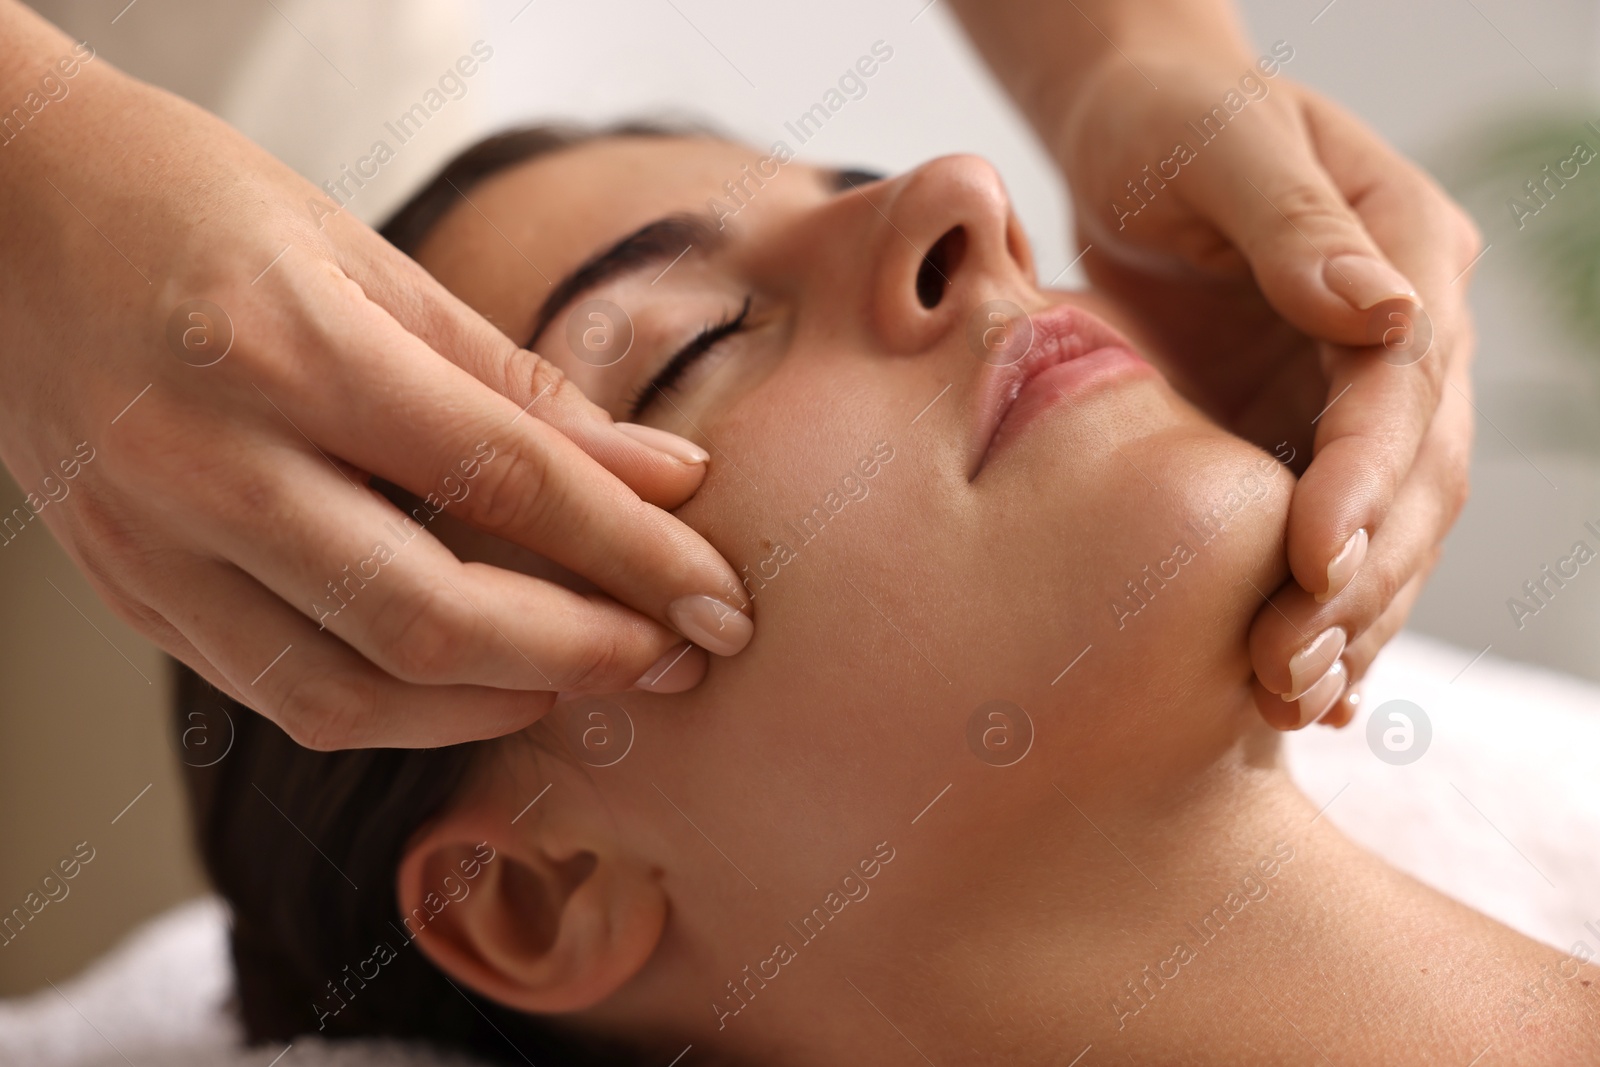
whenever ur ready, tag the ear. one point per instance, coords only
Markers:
(557, 916)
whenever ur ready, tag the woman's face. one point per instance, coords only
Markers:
(919, 538)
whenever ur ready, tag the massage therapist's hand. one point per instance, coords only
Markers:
(1288, 197)
(1350, 244)
(219, 495)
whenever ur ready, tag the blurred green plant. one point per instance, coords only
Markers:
(1533, 183)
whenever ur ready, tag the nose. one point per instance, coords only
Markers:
(950, 243)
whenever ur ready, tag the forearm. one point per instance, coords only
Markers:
(1045, 51)
(46, 79)
(29, 47)
(97, 171)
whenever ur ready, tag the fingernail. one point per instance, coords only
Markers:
(1312, 662)
(1322, 696)
(662, 678)
(1343, 567)
(679, 448)
(1365, 282)
(711, 624)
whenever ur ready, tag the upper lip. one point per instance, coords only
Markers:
(1059, 334)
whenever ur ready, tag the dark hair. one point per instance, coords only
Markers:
(304, 845)
(412, 222)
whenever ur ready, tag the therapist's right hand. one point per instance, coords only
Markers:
(226, 505)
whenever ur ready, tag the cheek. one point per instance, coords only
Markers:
(884, 623)
(789, 467)
(815, 696)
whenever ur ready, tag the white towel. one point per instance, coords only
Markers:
(161, 998)
(1502, 812)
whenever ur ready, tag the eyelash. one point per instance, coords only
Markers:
(685, 357)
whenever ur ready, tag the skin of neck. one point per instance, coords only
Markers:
(1199, 910)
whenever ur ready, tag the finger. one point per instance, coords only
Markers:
(1385, 425)
(323, 694)
(1365, 444)
(662, 468)
(1426, 234)
(678, 670)
(1269, 194)
(512, 475)
(1316, 702)
(378, 579)
(1360, 653)
(1363, 451)
(1295, 639)
(1344, 709)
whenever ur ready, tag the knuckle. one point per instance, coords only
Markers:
(545, 382)
(1376, 469)
(1311, 206)
(111, 546)
(326, 712)
(325, 320)
(426, 647)
(1386, 582)
(514, 492)
(141, 617)
(248, 492)
(318, 314)
(594, 666)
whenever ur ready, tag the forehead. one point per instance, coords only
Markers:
(504, 246)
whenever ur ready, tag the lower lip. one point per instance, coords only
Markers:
(1069, 380)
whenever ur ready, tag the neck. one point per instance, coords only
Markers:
(1221, 919)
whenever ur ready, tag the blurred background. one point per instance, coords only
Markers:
(1486, 93)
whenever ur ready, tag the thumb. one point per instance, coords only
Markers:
(1309, 251)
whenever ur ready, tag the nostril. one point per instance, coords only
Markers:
(939, 266)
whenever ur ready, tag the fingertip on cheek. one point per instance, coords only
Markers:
(1321, 697)
(1317, 702)
(678, 448)
(1277, 714)
(713, 624)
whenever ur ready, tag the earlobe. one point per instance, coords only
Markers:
(551, 923)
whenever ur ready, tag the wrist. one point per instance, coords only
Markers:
(62, 110)
(1147, 94)
(1139, 38)
(50, 88)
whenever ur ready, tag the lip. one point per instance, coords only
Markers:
(1071, 352)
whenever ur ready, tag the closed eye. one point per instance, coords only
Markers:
(685, 358)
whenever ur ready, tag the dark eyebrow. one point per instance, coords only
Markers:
(664, 239)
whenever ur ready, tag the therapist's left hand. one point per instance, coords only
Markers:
(1350, 244)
